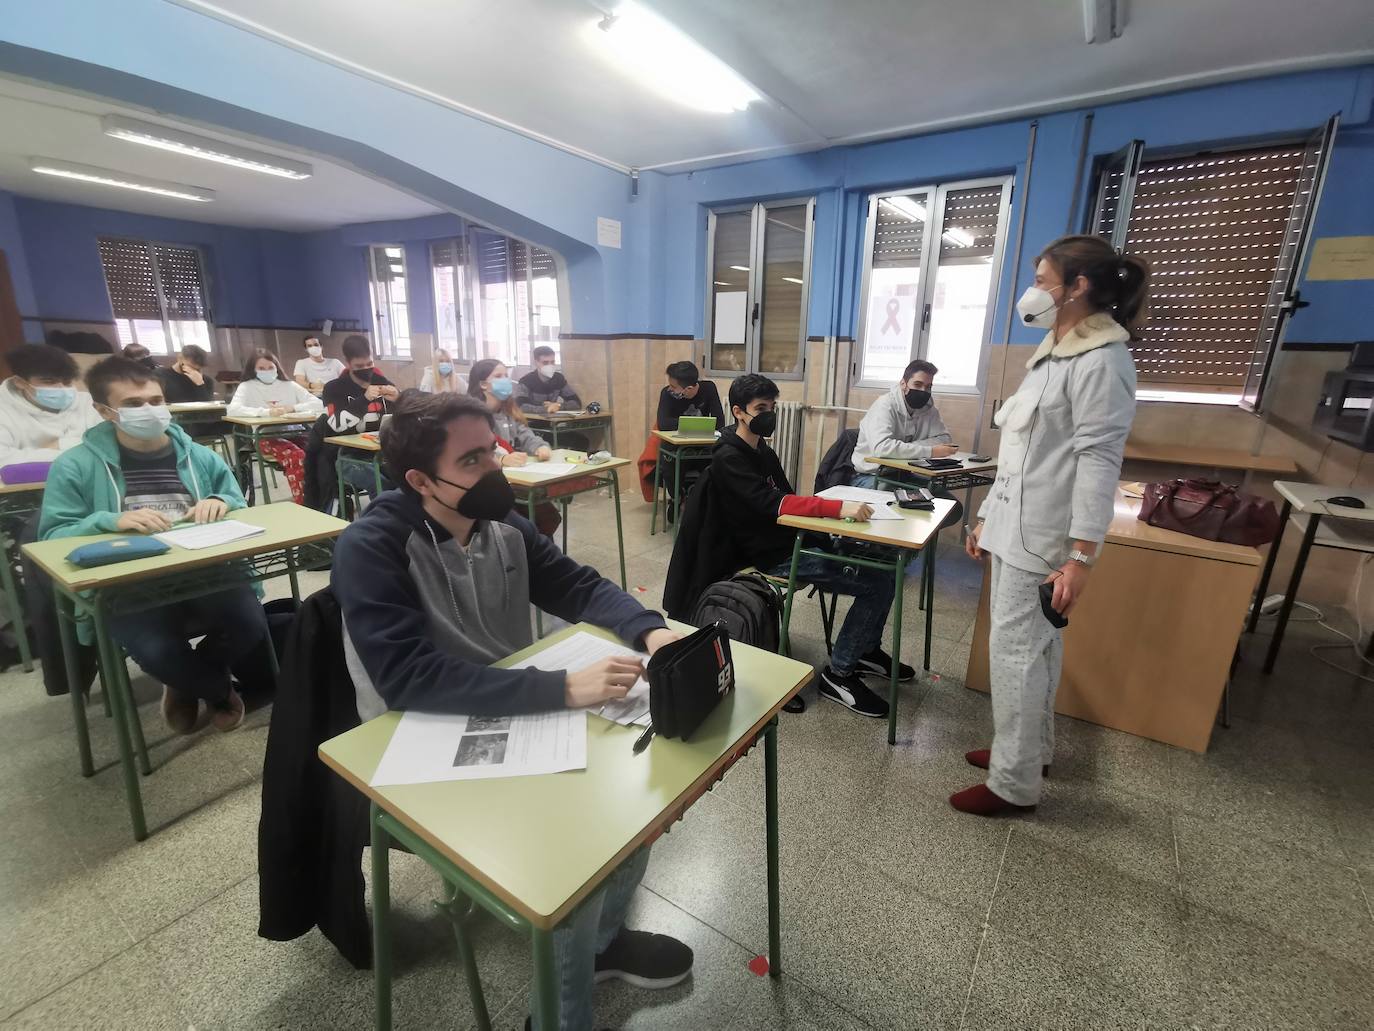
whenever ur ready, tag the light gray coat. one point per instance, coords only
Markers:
(893, 430)
(1063, 434)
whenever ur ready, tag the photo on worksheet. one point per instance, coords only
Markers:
(481, 750)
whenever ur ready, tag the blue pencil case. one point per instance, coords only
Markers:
(123, 549)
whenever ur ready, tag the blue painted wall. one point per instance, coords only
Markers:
(12, 243)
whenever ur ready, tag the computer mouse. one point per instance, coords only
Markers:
(1345, 501)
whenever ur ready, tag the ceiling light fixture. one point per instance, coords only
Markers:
(109, 177)
(1103, 20)
(151, 135)
(911, 210)
(792, 279)
(740, 268)
(668, 61)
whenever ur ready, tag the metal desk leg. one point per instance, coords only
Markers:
(619, 531)
(928, 587)
(900, 574)
(339, 475)
(770, 807)
(677, 499)
(653, 519)
(381, 917)
(785, 644)
(16, 604)
(1292, 593)
(457, 906)
(291, 555)
(120, 702)
(377, 472)
(1284, 514)
(116, 679)
(545, 980)
(538, 612)
(66, 630)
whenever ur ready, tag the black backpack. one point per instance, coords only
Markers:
(748, 607)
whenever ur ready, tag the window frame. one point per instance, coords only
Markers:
(474, 303)
(203, 269)
(1284, 296)
(930, 260)
(384, 343)
(461, 278)
(754, 291)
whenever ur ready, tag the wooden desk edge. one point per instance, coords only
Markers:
(59, 576)
(547, 921)
(1165, 454)
(838, 526)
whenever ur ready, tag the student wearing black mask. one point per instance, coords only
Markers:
(356, 401)
(435, 581)
(903, 423)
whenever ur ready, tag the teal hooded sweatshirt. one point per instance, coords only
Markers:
(85, 490)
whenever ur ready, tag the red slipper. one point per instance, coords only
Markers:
(980, 757)
(981, 801)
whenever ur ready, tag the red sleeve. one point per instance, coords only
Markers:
(810, 507)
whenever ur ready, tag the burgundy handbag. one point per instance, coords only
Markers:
(1211, 510)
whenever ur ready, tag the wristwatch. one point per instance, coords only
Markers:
(1081, 557)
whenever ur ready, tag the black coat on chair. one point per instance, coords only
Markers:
(703, 553)
(837, 467)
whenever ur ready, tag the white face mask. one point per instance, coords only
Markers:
(1037, 308)
(315, 351)
(548, 371)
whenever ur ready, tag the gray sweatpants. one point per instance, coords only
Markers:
(1026, 654)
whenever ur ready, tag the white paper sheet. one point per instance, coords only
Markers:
(879, 499)
(579, 650)
(427, 748)
(209, 535)
(546, 468)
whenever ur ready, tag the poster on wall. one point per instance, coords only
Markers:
(732, 312)
(887, 338)
(1342, 257)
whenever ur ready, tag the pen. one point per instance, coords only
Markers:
(644, 739)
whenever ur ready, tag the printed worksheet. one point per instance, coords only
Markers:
(581, 649)
(427, 747)
(544, 468)
(195, 536)
(881, 500)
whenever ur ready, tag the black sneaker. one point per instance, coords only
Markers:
(849, 690)
(794, 704)
(644, 960)
(878, 663)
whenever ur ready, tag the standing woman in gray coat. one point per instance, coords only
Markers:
(1045, 516)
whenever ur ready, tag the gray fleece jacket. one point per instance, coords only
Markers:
(893, 430)
(1063, 434)
(517, 434)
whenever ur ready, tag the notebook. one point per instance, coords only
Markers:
(703, 426)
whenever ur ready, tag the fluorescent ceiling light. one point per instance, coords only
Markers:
(958, 237)
(658, 55)
(191, 145)
(911, 210)
(1103, 20)
(719, 283)
(109, 177)
(792, 279)
(740, 268)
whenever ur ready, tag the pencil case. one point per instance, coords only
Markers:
(122, 549)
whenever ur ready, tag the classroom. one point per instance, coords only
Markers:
(673, 514)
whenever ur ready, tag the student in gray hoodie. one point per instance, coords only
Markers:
(1045, 517)
(903, 423)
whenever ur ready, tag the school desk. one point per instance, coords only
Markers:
(550, 426)
(677, 448)
(252, 431)
(358, 449)
(970, 474)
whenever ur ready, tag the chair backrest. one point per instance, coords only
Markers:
(837, 467)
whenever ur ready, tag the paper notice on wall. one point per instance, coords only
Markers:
(732, 317)
(427, 747)
(608, 232)
(1342, 257)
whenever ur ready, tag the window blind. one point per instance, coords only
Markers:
(129, 278)
(179, 272)
(899, 231)
(1215, 229)
(969, 229)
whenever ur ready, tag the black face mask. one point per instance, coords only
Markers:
(764, 424)
(362, 377)
(490, 497)
(917, 398)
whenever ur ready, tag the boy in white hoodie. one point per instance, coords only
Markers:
(43, 411)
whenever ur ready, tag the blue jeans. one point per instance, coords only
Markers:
(236, 638)
(872, 591)
(590, 932)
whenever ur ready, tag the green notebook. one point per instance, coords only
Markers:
(703, 426)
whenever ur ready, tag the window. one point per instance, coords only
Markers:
(452, 303)
(759, 261)
(390, 313)
(956, 232)
(506, 294)
(157, 294)
(1226, 234)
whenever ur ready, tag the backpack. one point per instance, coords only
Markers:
(747, 606)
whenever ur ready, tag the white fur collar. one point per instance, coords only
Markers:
(1093, 332)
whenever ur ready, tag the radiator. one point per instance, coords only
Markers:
(787, 438)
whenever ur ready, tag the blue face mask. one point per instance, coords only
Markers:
(445, 368)
(503, 388)
(54, 399)
(146, 422)
(268, 376)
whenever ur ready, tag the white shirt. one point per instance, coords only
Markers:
(254, 398)
(32, 434)
(321, 371)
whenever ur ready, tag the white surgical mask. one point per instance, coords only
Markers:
(268, 376)
(315, 350)
(548, 371)
(1037, 308)
(146, 422)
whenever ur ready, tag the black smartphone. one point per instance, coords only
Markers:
(1047, 606)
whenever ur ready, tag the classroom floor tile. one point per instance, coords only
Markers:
(1152, 888)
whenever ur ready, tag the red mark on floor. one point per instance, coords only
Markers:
(758, 966)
